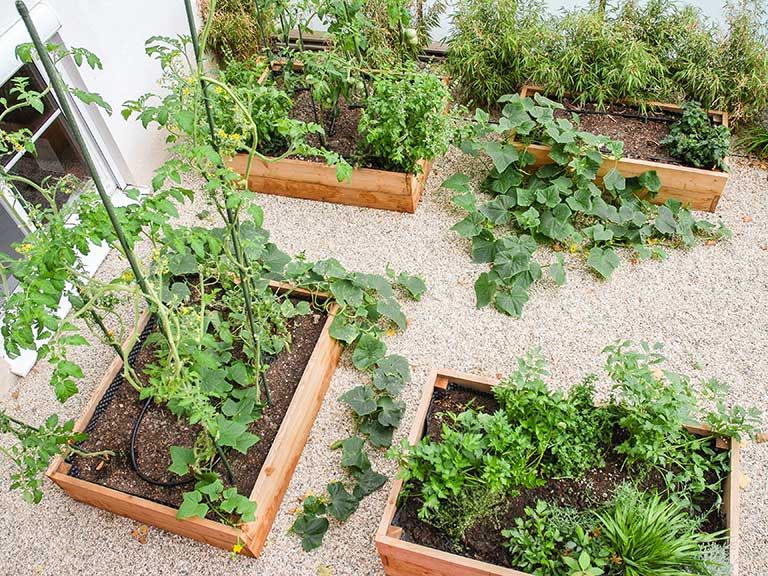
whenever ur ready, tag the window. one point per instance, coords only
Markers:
(57, 156)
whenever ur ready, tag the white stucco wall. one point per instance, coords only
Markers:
(116, 31)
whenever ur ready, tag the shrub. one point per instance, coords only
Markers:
(599, 61)
(235, 29)
(496, 47)
(697, 141)
(728, 71)
(632, 50)
(405, 120)
(755, 141)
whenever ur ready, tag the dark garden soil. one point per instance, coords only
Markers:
(160, 429)
(641, 136)
(483, 540)
(341, 134)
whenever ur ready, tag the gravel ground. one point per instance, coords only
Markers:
(709, 305)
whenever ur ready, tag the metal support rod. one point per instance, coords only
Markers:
(230, 214)
(62, 95)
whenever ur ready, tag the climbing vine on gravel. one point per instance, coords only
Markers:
(563, 205)
(374, 406)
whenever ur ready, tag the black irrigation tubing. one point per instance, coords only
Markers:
(172, 483)
(666, 119)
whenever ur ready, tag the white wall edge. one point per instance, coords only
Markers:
(47, 23)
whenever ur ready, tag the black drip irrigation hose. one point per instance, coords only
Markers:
(665, 119)
(173, 483)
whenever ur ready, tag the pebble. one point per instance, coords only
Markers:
(708, 304)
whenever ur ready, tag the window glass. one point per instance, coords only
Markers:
(10, 234)
(56, 153)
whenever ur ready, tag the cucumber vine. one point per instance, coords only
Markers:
(562, 203)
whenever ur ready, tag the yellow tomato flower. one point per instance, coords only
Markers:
(237, 548)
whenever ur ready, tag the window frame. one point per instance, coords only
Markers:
(110, 166)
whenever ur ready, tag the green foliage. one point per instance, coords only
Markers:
(400, 28)
(543, 545)
(652, 405)
(697, 141)
(404, 121)
(562, 204)
(538, 435)
(535, 434)
(33, 450)
(236, 31)
(755, 141)
(567, 434)
(339, 502)
(598, 61)
(653, 537)
(208, 287)
(629, 50)
(496, 47)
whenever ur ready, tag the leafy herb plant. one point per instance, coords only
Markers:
(405, 121)
(698, 141)
(563, 204)
(651, 522)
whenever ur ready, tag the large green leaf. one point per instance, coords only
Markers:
(342, 504)
(512, 301)
(360, 399)
(192, 506)
(603, 261)
(343, 330)
(458, 183)
(485, 288)
(369, 351)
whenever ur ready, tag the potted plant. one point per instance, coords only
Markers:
(510, 478)
(330, 122)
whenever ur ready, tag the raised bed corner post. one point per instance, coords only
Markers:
(242, 259)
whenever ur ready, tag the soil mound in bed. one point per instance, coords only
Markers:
(483, 540)
(160, 429)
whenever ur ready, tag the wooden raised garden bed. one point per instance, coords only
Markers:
(696, 188)
(273, 478)
(401, 557)
(368, 187)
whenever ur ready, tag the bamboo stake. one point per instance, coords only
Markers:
(230, 214)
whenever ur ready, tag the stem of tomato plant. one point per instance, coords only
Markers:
(231, 217)
(227, 465)
(264, 44)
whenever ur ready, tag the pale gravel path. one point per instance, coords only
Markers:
(709, 305)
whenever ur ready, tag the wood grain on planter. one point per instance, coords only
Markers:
(401, 558)
(697, 188)
(273, 479)
(368, 187)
